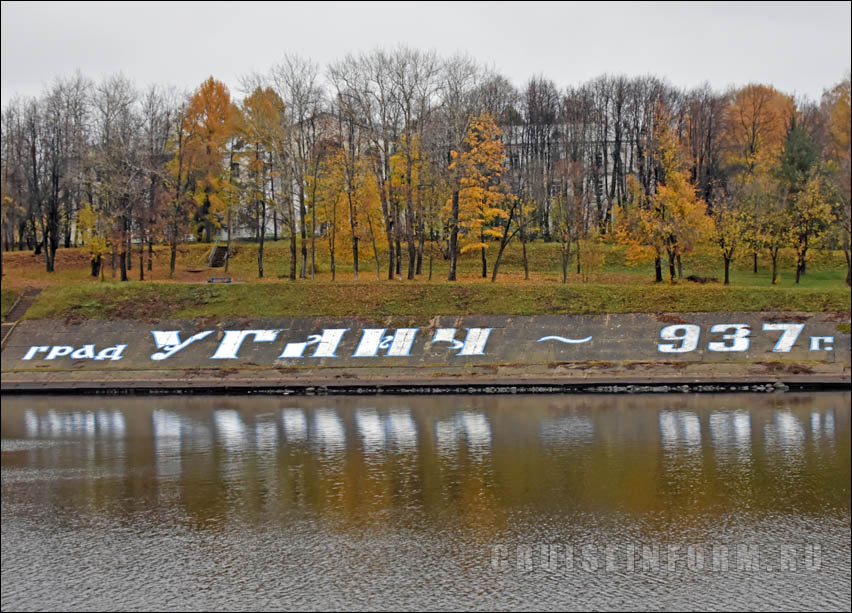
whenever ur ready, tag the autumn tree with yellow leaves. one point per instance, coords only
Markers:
(802, 188)
(753, 132)
(484, 200)
(730, 223)
(636, 227)
(755, 127)
(91, 225)
(766, 218)
(258, 125)
(330, 195)
(363, 160)
(195, 174)
(810, 217)
(210, 123)
(836, 103)
(673, 219)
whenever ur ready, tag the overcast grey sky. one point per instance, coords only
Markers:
(800, 48)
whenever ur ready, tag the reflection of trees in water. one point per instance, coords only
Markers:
(467, 459)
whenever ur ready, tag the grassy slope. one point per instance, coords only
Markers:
(22, 269)
(164, 300)
(613, 288)
(8, 299)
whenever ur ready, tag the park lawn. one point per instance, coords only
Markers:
(610, 287)
(150, 301)
(826, 269)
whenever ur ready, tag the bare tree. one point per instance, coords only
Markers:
(415, 80)
(118, 167)
(296, 81)
(459, 103)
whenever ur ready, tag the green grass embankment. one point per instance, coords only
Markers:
(7, 300)
(145, 301)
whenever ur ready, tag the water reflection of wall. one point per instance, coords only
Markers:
(386, 432)
(482, 457)
(465, 427)
(74, 424)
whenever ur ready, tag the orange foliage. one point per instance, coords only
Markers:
(210, 123)
(756, 126)
(484, 196)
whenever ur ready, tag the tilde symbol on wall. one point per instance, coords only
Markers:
(562, 339)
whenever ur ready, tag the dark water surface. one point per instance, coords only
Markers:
(674, 502)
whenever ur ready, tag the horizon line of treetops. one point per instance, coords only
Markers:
(385, 152)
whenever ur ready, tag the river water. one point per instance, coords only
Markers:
(675, 502)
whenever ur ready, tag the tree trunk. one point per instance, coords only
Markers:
(774, 268)
(412, 255)
(523, 231)
(409, 219)
(801, 261)
(303, 270)
(123, 261)
(389, 230)
(260, 243)
(398, 248)
(679, 268)
(352, 223)
(755, 262)
(333, 240)
(314, 234)
(672, 270)
(375, 249)
(391, 255)
(228, 248)
(454, 236)
(48, 260)
(497, 261)
(484, 261)
(293, 249)
(69, 213)
(208, 227)
(577, 246)
(727, 271)
(420, 243)
(658, 269)
(504, 241)
(355, 256)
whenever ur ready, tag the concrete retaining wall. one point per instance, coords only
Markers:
(554, 349)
